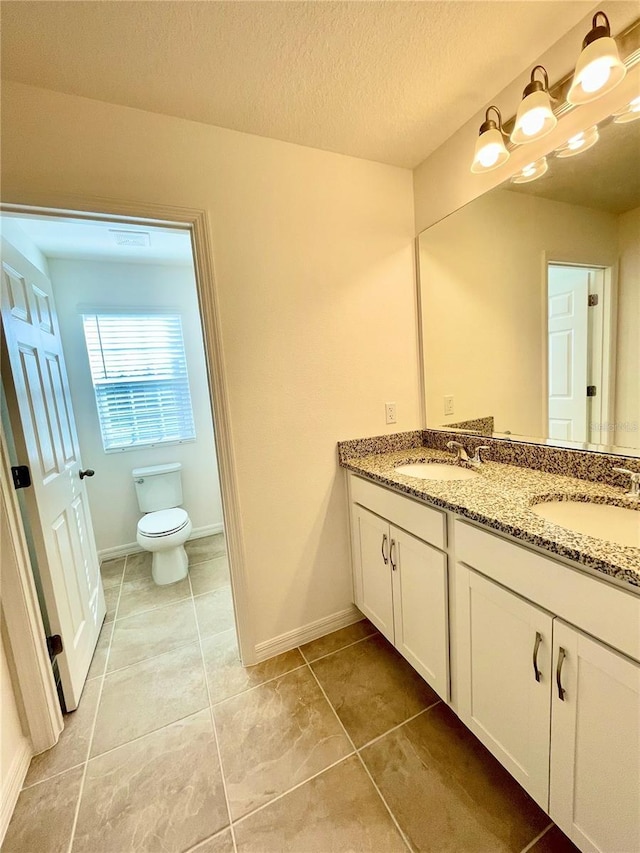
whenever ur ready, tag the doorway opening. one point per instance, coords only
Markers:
(106, 390)
(580, 310)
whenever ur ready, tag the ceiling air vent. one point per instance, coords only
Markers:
(131, 238)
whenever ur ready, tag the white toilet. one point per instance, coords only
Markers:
(165, 527)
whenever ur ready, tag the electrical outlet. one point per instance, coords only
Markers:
(390, 412)
(448, 405)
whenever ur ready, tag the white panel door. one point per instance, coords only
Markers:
(372, 563)
(505, 646)
(420, 601)
(568, 332)
(58, 505)
(595, 744)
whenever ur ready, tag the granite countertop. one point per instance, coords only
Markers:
(501, 497)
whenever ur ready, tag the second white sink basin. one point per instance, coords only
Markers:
(436, 471)
(603, 521)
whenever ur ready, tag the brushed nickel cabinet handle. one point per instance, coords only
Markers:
(394, 565)
(561, 691)
(536, 646)
(385, 555)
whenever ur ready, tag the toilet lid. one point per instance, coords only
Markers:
(163, 522)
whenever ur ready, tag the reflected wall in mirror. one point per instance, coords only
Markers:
(530, 302)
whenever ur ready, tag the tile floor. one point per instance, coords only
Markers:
(335, 746)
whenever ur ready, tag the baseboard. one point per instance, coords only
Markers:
(134, 548)
(307, 633)
(13, 785)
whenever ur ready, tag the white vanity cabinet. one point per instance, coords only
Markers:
(504, 677)
(595, 744)
(400, 580)
(571, 738)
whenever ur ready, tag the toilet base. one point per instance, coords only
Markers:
(169, 566)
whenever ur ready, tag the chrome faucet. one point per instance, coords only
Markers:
(463, 456)
(634, 489)
(461, 453)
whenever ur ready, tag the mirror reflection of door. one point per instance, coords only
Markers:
(578, 362)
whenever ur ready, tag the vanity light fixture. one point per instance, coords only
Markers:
(531, 172)
(630, 113)
(535, 117)
(491, 151)
(599, 67)
(579, 143)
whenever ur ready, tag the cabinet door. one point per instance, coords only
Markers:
(419, 574)
(505, 646)
(374, 594)
(595, 744)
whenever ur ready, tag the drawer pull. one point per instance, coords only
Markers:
(561, 691)
(385, 555)
(536, 671)
(394, 565)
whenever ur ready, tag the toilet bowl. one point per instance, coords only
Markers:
(165, 526)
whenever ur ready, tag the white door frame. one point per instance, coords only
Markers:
(610, 308)
(23, 621)
(197, 223)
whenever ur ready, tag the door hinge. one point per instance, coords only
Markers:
(21, 476)
(592, 390)
(54, 645)
(593, 300)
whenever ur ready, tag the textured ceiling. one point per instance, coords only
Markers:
(386, 81)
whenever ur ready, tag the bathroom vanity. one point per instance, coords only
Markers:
(529, 631)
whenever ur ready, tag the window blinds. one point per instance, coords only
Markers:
(139, 374)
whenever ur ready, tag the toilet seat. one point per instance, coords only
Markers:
(163, 522)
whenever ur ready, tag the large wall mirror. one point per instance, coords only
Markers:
(530, 302)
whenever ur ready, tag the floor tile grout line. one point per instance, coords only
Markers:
(53, 775)
(213, 721)
(537, 838)
(364, 766)
(335, 651)
(76, 815)
(295, 787)
(255, 686)
(198, 845)
(399, 726)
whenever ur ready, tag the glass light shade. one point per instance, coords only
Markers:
(531, 172)
(599, 70)
(490, 152)
(579, 143)
(534, 118)
(630, 113)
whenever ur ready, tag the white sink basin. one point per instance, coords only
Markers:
(435, 471)
(612, 523)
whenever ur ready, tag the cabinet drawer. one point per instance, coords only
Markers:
(423, 521)
(598, 607)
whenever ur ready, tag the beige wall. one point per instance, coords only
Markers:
(443, 182)
(627, 414)
(314, 266)
(111, 285)
(483, 286)
(13, 744)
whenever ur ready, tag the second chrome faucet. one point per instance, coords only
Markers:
(463, 456)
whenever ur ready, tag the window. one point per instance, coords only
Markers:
(139, 374)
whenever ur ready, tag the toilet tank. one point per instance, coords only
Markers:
(158, 486)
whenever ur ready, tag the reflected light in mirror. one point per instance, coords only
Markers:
(531, 172)
(579, 143)
(630, 113)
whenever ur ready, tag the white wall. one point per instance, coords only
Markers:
(13, 233)
(314, 265)
(627, 413)
(112, 497)
(483, 303)
(15, 751)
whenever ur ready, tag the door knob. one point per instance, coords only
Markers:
(88, 472)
